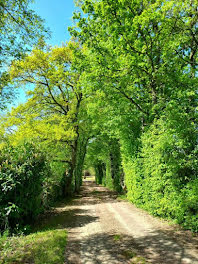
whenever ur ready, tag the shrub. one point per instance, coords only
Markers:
(161, 176)
(22, 172)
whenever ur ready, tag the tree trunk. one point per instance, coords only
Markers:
(69, 181)
(81, 152)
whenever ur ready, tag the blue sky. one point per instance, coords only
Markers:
(58, 17)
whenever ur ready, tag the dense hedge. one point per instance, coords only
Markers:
(23, 170)
(54, 184)
(162, 177)
(160, 166)
(113, 167)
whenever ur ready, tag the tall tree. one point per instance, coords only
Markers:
(135, 45)
(55, 111)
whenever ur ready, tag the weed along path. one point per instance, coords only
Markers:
(106, 230)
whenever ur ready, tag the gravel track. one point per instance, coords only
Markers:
(103, 229)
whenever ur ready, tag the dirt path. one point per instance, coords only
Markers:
(102, 229)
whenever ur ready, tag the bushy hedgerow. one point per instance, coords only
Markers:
(109, 170)
(162, 176)
(23, 170)
(53, 185)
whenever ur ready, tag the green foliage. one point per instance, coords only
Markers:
(81, 152)
(22, 173)
(103, 153)
(20, 29)
(55, 114)
(140, 66)
(99, 173)
(162, 178)
(108, 176)
(125, 92)
(53, 185)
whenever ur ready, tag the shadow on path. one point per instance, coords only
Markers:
(155, 248)
(67, 219)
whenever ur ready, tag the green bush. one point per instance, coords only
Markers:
(23, 170)
(162, 176)
(53, 185)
